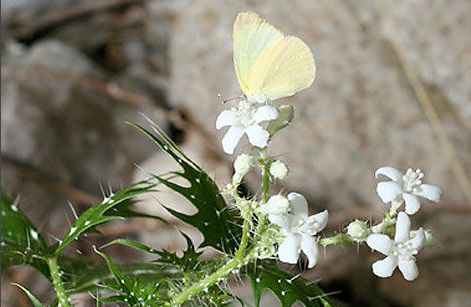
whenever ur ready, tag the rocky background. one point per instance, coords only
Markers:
(393, 87)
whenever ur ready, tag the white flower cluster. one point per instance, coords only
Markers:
(292, 229)
(401, 252)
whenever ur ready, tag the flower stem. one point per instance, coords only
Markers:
(205, 283)
(265, 174)
(240, 254)
(57, 282)
(337, 239)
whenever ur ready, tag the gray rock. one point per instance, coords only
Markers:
(54, 119)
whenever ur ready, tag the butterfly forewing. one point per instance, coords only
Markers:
(251, 36)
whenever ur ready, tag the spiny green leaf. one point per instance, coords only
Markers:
(81, 275)
(286, 288)
(136, 291)
(21, 242)
(32, 298)
(188, 262)
(219, 226)
(113, 207)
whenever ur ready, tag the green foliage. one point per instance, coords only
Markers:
(187, 263)
(115, 206)
(161, 281)
(286, 288)
(132, 289)
(219, 226)
(22, 244)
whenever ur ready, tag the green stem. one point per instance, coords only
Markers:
(205, 283)
(265, 174)
(337, 239)
(57, 282)
(240, 254)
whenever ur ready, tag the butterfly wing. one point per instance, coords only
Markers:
(252, 34)
(282, 69)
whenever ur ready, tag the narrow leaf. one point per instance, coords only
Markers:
(32, 298)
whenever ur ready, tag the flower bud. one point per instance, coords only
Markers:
(277, 204)
(279, 170)
(242, 165)
(358, 230)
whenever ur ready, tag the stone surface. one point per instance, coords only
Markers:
(63, 127)
(359, 115)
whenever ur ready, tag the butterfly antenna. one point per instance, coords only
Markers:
(233, 98)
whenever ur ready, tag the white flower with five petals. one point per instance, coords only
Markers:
(299, 230)
(400, 252)
(405, 188)
(245, 119)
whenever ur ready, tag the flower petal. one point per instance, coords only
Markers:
(288, 251)
(315, 223)
(299, 205)
(231, 139)
(408, 269)
(310, 249)
(265, 113)
(282, 220)
(388, 191)
(418, 241)
(402, 228)
(257, 136)
(226, 118)
(379, 242)
(428, 191)
(385, 268)
(389, 172)
(277, 204)
(412, 203)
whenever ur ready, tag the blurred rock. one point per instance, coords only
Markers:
(359, 115)
(56, 119)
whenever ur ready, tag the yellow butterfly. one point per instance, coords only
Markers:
(268, 64)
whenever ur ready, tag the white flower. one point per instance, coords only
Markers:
(358, 230)
(279, 170)
(277, 204)
(405, 188)
(299, 230)
(242, 165)
(245, 120)
(400, 252)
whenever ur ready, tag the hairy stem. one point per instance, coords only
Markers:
(266, 179)
(240, 254)
(205, 283)
(57, 282)
(337, 239)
